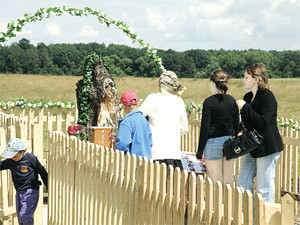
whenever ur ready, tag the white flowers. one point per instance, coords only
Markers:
(21, 103)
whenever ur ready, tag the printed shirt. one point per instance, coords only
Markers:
(25, 172)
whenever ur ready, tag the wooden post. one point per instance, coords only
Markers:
(287, 210)
(59, 119)
(37, 150)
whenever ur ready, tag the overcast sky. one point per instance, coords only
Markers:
(167, 24)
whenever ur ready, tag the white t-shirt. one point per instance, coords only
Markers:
(168, 120)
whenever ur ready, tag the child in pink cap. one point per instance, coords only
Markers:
(134, 134)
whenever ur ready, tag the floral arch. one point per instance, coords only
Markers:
(16, 26)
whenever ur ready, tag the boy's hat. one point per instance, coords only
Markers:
(13, 146)
(129, 98)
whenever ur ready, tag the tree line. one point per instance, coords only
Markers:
(67, 59)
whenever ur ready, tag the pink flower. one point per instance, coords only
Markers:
(71, 130)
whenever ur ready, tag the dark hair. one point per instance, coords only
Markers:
(259, 71)
(220, 78)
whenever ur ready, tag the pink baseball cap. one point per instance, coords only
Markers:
(129, 98)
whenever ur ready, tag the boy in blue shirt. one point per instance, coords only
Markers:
(24, 168)
(134, 134)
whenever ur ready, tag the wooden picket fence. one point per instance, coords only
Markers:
(287, 170)
(287, 178)
(90, 184)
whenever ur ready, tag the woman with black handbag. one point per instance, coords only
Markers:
(259, 112)
(220, 120)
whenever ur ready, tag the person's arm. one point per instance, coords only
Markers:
(205, 125)
(236, 119)
(4, 164)
(42, 171)
(259, 121)
(184, 125)
(124, 138)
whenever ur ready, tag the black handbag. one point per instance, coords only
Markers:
(240, 145)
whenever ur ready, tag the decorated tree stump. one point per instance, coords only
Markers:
(97, 100)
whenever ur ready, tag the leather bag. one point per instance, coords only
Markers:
(240, 145)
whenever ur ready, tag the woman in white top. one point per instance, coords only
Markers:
(167, 118)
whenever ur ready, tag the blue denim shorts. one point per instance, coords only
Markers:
(214, 148)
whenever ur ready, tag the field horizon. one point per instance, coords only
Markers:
(62, 88)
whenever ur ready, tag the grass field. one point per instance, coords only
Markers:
(62, 88)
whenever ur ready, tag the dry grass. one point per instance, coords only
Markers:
(62, 88)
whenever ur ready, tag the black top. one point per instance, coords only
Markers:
(25, 172)
(261, 115)
(220, 117)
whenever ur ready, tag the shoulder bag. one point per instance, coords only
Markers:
(237, 146)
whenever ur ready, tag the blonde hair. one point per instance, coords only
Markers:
(220, 78)
(259, 71)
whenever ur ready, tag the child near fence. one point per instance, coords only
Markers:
(24, 168)
(134, 134)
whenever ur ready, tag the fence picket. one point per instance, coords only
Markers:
(162, 194)
(200, 213)
(237, 213)
(248, 208)
(209, 201)
(228, 205)
(192, 199)
(218, 203)
(176, 198)
(183, 196)
(169, 197)
(259, 217)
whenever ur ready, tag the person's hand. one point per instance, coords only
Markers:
(199, 155)
(240, 103)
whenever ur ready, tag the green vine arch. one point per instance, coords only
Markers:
(16, 26)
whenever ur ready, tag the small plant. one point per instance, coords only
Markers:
(76, 131)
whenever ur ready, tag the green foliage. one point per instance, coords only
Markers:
(84, 90)
(67, 59)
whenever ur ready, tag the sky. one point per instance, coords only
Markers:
(166, 24)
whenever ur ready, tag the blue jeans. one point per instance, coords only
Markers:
(214, 148)
(264, 170)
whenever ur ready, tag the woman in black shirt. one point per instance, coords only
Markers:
(220, 119)
(259, 112)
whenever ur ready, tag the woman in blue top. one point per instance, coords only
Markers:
(220, 119)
